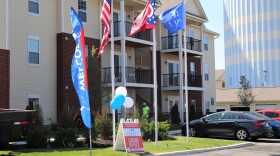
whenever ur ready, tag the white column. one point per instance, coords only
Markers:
(202, 70)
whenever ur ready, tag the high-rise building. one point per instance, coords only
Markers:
(252, 35)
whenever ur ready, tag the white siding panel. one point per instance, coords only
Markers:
(2, 24)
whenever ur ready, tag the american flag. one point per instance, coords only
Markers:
(105, 20)
(146, 20)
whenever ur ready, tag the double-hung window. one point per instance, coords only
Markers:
(33, 6)
(206, 72)
(33, 50)
(82, 6)
(205, 43)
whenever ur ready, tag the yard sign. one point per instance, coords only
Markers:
(129, 137)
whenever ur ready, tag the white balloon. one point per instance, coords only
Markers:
(121, 90)
(128, 103)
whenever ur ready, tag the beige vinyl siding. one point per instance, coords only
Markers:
(92, 25)
(3, 24)
(209, 58)
(37, 79)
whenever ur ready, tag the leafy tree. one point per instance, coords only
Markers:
(245, 94)
(175, 116)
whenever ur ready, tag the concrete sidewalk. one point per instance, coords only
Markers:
(204, 150)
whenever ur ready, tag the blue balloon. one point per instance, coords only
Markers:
(118, 101)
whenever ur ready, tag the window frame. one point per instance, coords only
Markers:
(205, 43)
(33, 96)
(206, 72)
(82, 10)
(30, 37)
(33, 13)
(192, 70)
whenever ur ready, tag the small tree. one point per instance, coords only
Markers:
(175, 116)
(192, 113)
(245, 94)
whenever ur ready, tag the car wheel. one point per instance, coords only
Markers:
(192, 132)
(241, 134)
(273, 134)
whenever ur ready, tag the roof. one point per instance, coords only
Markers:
(261, 94)
(220, 75)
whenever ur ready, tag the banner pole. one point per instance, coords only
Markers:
(90, 142)
(113, 72)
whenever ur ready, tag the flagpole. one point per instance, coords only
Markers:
(113, 72)
(90, 145)
(155, 86)
(186, 72)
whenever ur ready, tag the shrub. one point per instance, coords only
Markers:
(103, 125)
(148, 130)
(65, 137)
(175, 116)
(192, 115)
(37, 137)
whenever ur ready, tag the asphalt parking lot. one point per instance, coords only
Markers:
(262, 147)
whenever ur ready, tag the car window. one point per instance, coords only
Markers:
(270, 114)
(230, 116)
(259, 115)
(214, 116)
(276, 115)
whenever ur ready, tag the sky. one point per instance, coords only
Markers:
(214, 12)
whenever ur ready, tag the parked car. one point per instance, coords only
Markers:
(238, 125)
(275, 124)
(271, 113)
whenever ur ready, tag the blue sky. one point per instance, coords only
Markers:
(214, 12)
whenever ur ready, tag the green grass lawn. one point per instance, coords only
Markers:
(150, 148)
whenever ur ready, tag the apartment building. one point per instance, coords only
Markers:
(38, 47)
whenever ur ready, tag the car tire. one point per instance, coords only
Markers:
(241, 134)
(273, 134)
(192, 132)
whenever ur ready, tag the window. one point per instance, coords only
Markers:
(33, 50)
(207, 105)
(192, 64)
(33, 6)
(205, 43)
(173, 74)
(193, 104)
(191, 33)
(270, 114)
(172, 102)
(206, 72)
(230, 116)
(223, 84)
(33, 101)
(86, 48)
(215, 116)
(82, 7)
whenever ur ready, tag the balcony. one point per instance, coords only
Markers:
(133, 75)
(172, 80)
(171, 42)
(143, 35)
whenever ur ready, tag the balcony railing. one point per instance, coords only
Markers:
(143, 35)
(171, 42)
(171, 80)
(133, 75)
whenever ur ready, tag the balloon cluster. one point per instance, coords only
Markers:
(120, 99)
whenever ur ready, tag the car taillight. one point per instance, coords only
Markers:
(257, 123)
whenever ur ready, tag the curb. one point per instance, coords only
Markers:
(205, 149)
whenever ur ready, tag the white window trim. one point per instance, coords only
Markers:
(35, 96)
(34, 38)
(85, 11)
(31, 13)
(206, 66)
(170, 61)
(207, 43)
